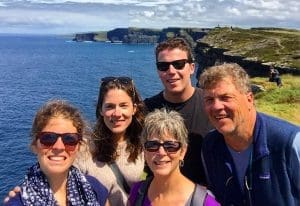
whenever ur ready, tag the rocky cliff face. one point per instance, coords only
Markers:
(141, 35)
(207, 56)
(84, 37)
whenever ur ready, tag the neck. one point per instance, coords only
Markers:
(178, 97)
(168, 183)
(58, 185)
(119, 138)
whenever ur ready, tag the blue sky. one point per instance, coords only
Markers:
(74, 16)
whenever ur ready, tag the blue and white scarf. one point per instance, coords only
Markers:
(36, 190)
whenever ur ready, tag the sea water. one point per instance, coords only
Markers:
(34, 69)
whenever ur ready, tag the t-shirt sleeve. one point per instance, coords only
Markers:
(210, 200)
(133, 193)
(99, 189)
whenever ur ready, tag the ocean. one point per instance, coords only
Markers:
(34, 69)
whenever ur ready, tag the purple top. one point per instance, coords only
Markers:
(209, 199)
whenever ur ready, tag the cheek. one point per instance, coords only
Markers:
(106, 113)
(162, 75)
(148, 158)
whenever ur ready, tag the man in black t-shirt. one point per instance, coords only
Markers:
(175, 66)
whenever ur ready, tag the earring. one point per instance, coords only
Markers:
(181, 163)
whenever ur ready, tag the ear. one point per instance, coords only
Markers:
(250, 98)
(134, 109)
(33, 147)
(183, 151)
(192, 68)
(101, 114)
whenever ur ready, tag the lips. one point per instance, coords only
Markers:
(116, 122)
(57, 158)
(172, 80)
(160, 163)
(221, 116)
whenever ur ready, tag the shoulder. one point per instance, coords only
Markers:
(278, 129)
(95, 183)
(212, 139)
(203, 196)
(134, 192)
(210, 200)
(14, 201)
(99, 189)
(154, 102)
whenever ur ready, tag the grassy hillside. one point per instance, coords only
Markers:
(283, 102)
(268, 45)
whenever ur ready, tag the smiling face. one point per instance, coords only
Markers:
(117, 111)
(56, 160)
(228, 109)
(175, 81)
(161, 162)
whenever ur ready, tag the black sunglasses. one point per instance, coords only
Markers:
(169, 146)
(70, 140)
(122, 80)
(177, 64)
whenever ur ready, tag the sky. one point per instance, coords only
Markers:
(77, 16)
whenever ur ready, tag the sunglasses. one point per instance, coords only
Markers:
(70, 140)
(169, 146)
(122, 80)
(178, 64)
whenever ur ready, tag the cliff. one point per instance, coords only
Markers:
(143, 35)
(255, 49)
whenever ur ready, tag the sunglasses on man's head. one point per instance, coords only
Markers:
(122, 80)
(177, 64)
(70, 140)
(169, 146)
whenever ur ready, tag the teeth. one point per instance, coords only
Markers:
(161, 162)
(220, 116)
(57, 158)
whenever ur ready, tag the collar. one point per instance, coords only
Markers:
(260, 144)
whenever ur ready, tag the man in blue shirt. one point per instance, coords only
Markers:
(250, 158)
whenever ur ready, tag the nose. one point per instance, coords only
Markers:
(59, 144)
(171, 69)
(161, 150)
(117, 112)
(217, 104)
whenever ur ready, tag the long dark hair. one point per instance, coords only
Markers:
(105, 144)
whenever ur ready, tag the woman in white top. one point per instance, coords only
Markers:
(120, 116)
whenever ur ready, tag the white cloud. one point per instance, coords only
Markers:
(89, 15)
(233, 11)
(149, 14)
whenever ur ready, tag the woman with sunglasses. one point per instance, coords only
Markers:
(165, 144)
(57, 132)
(117, 159)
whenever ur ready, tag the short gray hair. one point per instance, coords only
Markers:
(214, 74)
(162, 122)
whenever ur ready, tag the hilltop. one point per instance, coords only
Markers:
(143, 35)
(268, 46)
(255, 49)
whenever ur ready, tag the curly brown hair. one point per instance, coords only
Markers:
(57, 108)
(104, 143)
(175, 43)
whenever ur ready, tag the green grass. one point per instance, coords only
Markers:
(283, 102)
(278, 46)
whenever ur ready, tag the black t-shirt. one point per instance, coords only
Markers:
(197, 125)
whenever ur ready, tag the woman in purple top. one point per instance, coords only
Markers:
(164, 138)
